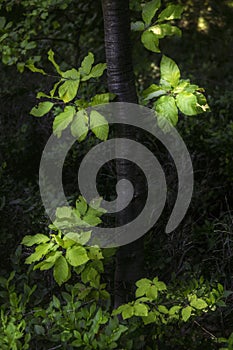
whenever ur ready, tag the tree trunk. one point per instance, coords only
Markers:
(129, 258)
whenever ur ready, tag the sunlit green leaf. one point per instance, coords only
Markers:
(68, 90)
(187, 103)
(61, 270)
(40, 251)
(87, 64)
(35, 239)
(153, 91)
(99, 99)
(34, 69)
(96, 72)
(149, 10)
(79, 126)
(51, 59)
(166, 110)
(63, 212)
(162, 30)
(42, 109)
(186, 313)
(198, 303)
(169, 71)
(171, 12)
(76, 255)
(140, 310)
(81, 205)
(62, 120)
(150, 41)
(99, 125)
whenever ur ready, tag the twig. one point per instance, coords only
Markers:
(205, 330)
(56, 347)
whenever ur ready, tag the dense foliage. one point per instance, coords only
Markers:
(53, 53)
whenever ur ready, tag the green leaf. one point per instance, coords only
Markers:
(202, 105)
(184, 85)
(52, 92)
(87, 64)
(63, 212)
(171, 12)
(61, 270)
(169, 71)
(81, 205)
(95, 253)
(81, 238)
(69, 89)
(42, 94)
(174, 309)
(51, 59)
(43, 265)
(166, 109)
(137, 26)
(76, 255)
(152, 292)
(29, 241)
(39, 330)
(52, 257)
(162, 30)
(163, 309)
(31, 45)
(62, 120)
(41, 109)
(151, 318)
(143, 285)
(160, 285)
(96, 72)
(96, 202)
(79, 126)
(101, 99)
(92, 220)
(99, 125)
(140, 310)
(126, 310)
(149, 10)
(92, 276)
(143, 282)
(186, 313)
(153, 91)
(198, 304)
(187, 103)
(2, 22)
(40, 251)
(34, 69)
(150, 41)
(56, 302)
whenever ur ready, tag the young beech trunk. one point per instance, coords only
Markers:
(129, 258)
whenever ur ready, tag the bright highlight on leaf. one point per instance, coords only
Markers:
(170, 13)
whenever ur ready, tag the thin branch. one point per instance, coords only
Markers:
(205, 330)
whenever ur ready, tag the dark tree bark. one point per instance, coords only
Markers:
(116, 14)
